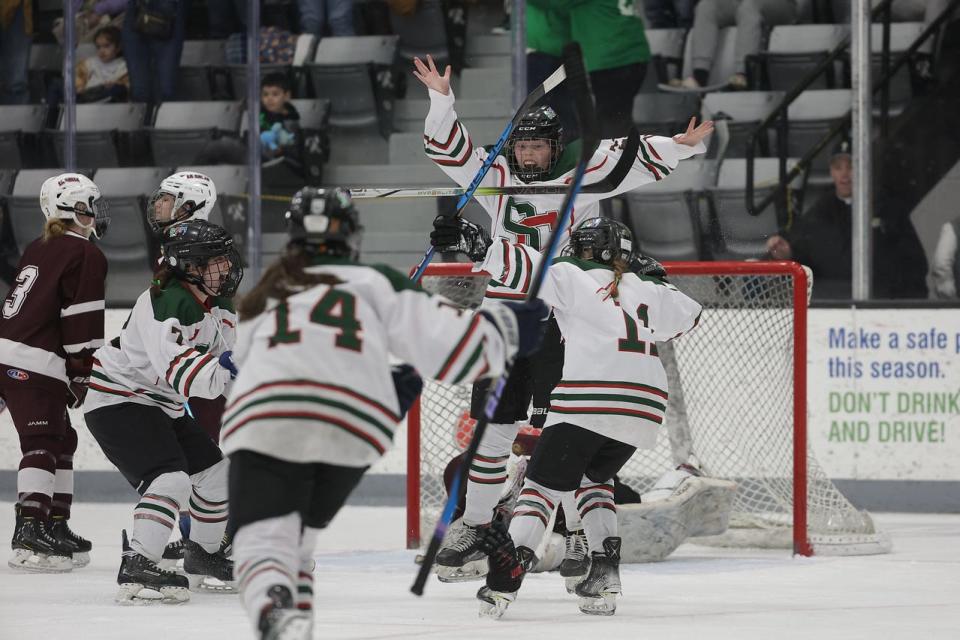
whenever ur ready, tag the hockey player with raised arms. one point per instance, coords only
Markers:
(534, 155)
(610, 401)
(52, 321)
(317, 401)
(175, 345)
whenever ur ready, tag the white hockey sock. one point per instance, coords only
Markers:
(35, 483)
(488, 473)
(571, 515)
(155, 516)
(208, 506)
(308, 542)
(532, 514)
(266, 554)
(598, 512)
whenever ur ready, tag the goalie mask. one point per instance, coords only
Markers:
(203, 254)
(534, 145)
(186, 195)
(325, 222)
(601, 240)
(75, 197)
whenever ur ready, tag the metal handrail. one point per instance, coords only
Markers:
(780, 112)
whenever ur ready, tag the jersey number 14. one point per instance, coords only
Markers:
(632, 342)
(336, 309)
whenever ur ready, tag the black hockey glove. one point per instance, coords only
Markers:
(646, 266)
(456, 234)
(408, 385)
(506, 567)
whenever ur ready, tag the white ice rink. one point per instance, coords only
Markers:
(363, 575)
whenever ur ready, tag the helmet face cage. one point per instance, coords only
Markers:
(539, 124)
(325, 222)
(606, 239)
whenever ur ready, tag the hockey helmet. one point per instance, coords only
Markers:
(68, 195)
(186, 195)
(192, 250)
(325, 222)
(606, 239)
(542, 123)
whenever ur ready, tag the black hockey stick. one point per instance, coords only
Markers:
(583, 101)
(545, 87)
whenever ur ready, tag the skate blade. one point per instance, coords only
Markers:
(604, 605)
(209, 584)
(473, 570)
(81, 559)
(137, 594)
(494, 604)
(30, 562)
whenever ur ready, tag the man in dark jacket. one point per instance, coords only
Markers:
(823, 240)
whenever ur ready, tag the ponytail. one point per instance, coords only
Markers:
(161, 277)
(281, 280)
(54, 228)
(619, 267)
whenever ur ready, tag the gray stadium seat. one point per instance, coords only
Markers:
(199, 57)
(666, 60)
(793, 52)
(664, 114)
(488, 51)
(46, 64)
(743, 111)
(743, 236)
(423, 33)
(181, 129)
(127, 244)
(811, 115)
(19, 126)
(103, 133)
(23, 204)
(902, 35)
(484, 84)
(663, 215)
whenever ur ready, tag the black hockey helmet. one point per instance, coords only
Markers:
(196, 243)
(606, 238)
(325, 222)
(542, 123)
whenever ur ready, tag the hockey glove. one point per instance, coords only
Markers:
(506, 566)
(646, 266)
(408, 385)
(226, 361)
(458, 235)
(77, 391)
(520, 323)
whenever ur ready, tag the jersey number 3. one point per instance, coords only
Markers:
(337, 309)
(16, 298)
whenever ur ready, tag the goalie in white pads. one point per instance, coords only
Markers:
(534, 155)
(316, 402)
(610, 401)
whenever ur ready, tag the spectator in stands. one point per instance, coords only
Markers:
(103, 77)
(153, 34)
(16, 25)
(822, 240)
(548, 31)
(669, 14)
(946, 261)
(91, 16)
(337, 14)
(280, 138)
(749, 16)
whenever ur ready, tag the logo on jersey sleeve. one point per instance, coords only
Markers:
(17, 374)
(531, 227)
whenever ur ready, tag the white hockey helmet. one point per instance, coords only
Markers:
(194, 195)
(69, 195)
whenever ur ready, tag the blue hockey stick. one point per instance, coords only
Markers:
(583, 101)
(545, 87)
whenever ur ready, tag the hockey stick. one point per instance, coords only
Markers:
(580, 89)
(545, 87)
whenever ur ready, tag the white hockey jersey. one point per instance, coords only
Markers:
(169, 352)
(613, 381)
(528, 219)
(315, 383)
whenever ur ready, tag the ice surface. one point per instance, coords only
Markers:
(363, 577)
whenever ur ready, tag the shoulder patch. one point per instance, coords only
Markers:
(176, 302)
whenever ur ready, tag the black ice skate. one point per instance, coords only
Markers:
(142, 581)
(575, 561)
(172, 555)
(508, 565)
(35, 550)
(460, 559)
(599, 590)
(281, 620)
(212, 572)
(60, 530)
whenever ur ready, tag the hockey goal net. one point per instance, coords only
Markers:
(737, 387)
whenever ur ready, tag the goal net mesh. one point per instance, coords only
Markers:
(731, 406)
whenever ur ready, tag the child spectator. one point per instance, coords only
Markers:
(103, 77)
(280, 138)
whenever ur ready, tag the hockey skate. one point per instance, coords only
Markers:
(142, 581)
(60, 530)
(209, 572)
(599, 590)
(280, 620)
(35, 550)
(460, 559)
(172, 555)
(508, 565)
(575, 561)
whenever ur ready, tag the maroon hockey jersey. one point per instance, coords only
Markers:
(55, 309)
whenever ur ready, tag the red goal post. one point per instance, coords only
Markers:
(738, 388)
